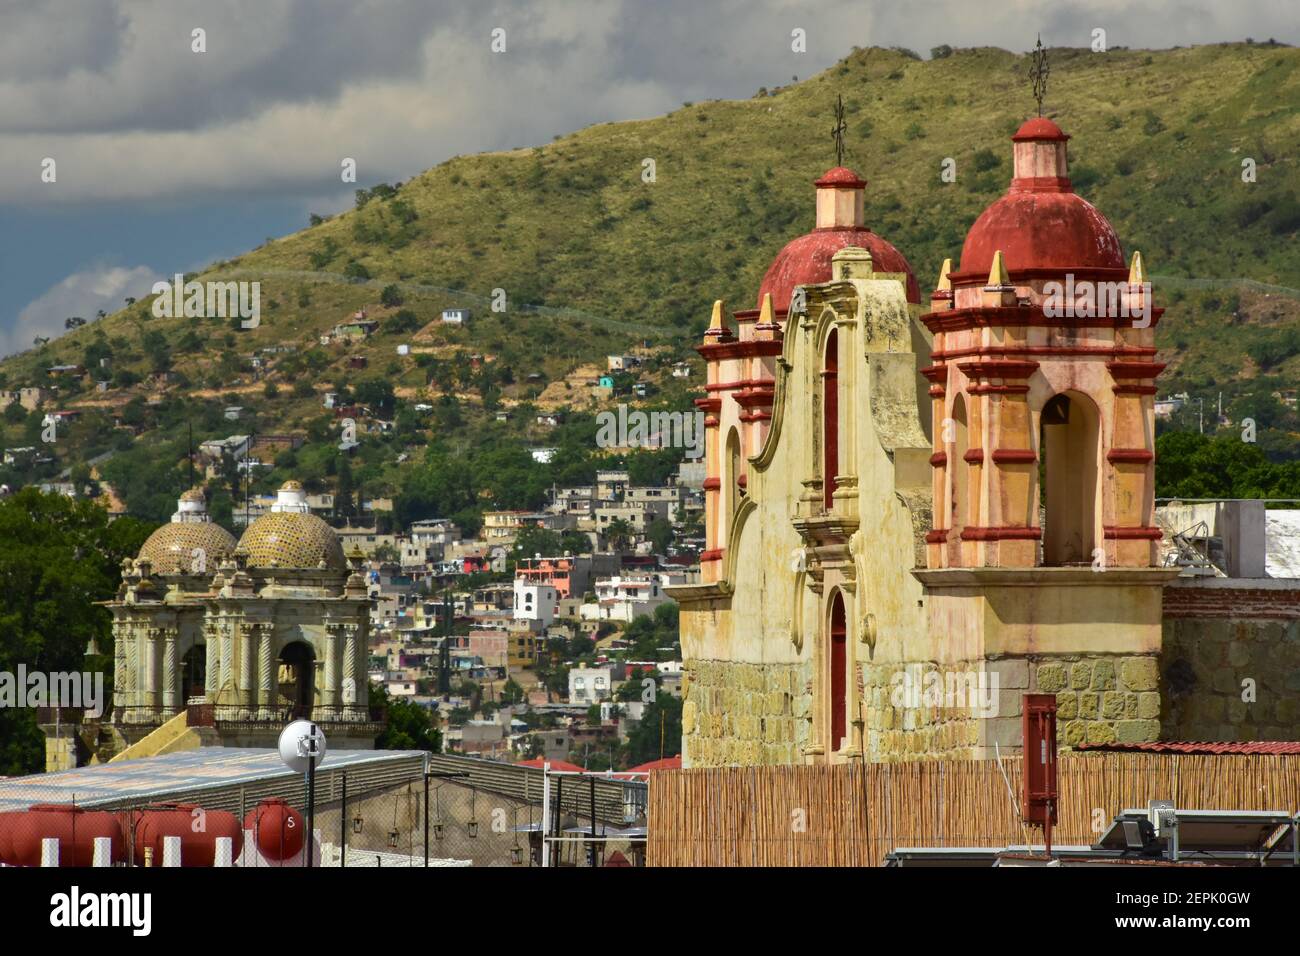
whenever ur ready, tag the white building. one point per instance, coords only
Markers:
(628, 597)
(455, 316)
(535, 602)
(588, 685)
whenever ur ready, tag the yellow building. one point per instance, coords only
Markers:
(843, 615)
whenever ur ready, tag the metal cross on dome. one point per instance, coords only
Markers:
(837, 131)
(1038, 71)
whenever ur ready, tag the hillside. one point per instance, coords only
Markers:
(592, 259)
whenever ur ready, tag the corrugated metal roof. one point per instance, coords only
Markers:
(617, 800)
(1205, 747)
(218, 778)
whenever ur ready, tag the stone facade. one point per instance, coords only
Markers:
(746, 714)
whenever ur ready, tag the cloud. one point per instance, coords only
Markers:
(288, 88)
(80, 294)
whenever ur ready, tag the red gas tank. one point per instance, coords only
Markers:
(74, 828)
(7, 819)
(279, 829)
(198, 829)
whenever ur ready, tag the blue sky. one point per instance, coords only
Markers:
(168, 159)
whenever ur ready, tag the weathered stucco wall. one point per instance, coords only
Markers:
(1230, 661)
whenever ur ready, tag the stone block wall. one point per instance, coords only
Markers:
(920, 710)
(745, 714)
(1230, 679)
(1230, 659)
(1102, 699)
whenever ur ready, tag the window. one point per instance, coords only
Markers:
(839, 672)
(830, 418)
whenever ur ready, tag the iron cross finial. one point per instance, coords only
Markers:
(1038, 71)
(837, 131)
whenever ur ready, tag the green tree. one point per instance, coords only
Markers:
(407, 725)
(58, 557)
(659, 731)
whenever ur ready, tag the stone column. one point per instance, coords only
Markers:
(351, 693)
(245, 696)
(212, 648)
(149, 666)
(120, 670)
(329, 680)
(265, 673)
(227, 653)
(169, 670)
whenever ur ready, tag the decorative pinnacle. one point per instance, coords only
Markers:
(1137, 273)
(998, 272)
(945, 284)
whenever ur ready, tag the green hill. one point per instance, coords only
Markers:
(592, 259)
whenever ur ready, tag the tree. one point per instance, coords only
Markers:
(344, 506)
(391, 296)
(660, 532)
(619, 534)
(58, 557)
(659, 731)
(407, 725)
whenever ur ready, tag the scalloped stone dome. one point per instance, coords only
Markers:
(170, 549)
(289, 539)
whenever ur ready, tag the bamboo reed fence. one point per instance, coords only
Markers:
(854, 814)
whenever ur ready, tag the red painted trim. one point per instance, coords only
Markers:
(937, 391)
(939, 459)
(1003, 351)
(712, 484)
(739, 384)
(998, 368)
(935, 373)
(751, 349)
(1094, 274)
(1041, 184)
(937, 536)
(756, 417)
(1130, 455)
(1014, 456)
(1001, 534)
(1134, 389)
(714, 555)
(1017, 316)
(1133, 534)
(974, 457)
(998, 390)
(709, 404)
(1135, 369)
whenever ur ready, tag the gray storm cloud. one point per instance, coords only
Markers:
(287, 88)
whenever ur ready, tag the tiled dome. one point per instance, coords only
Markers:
(288, 539)
(170, 549)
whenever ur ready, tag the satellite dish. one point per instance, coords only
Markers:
(301, 745)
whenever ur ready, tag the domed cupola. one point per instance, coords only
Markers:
(841, 222)
(1041, 226)
(190, 543)
(292, 537)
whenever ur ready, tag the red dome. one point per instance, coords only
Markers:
(841, 176)
(807, 260)
(1038, 128)
(1042, 230)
